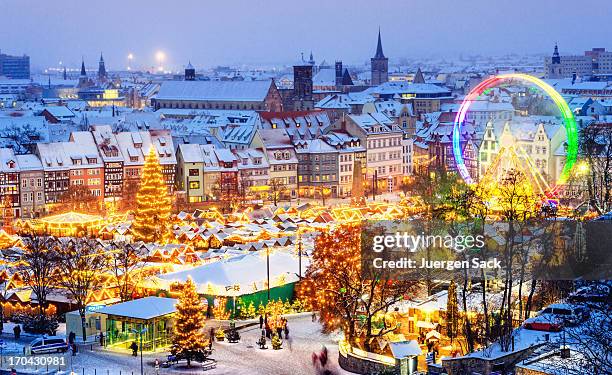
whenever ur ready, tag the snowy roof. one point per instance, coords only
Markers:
(325, 77)
(8, 161)
(60, 112)
(144, 308)
(29, 162)
(244, 270)
(405, 349)
(252, 91)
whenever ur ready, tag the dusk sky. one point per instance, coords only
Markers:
(211, 33)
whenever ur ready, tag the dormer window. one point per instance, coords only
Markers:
(92, 160)
(10, 164)
(138, 145)
(273, 125)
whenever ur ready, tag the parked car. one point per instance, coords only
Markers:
(570, 314)
(596, 293)
(544, 322)
(48, 344)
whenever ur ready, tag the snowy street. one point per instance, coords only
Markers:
(241, 358)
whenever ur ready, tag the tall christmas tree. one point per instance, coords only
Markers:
(189, 336)
(452, 312)
(153, 205)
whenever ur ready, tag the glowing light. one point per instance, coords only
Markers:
(130, 56)
(568, 119)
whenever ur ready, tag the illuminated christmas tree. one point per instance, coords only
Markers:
(189, 336)
(153, 205)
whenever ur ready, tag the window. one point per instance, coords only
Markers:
(194, 172)
(194, 184)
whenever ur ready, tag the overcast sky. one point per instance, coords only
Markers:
(211, 33)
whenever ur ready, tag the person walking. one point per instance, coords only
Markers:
(286, 330)
(134, 348)
(261, 321)
(17, 331)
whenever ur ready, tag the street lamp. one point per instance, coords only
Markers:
(160, 56)
(140, 332)
(130, 57)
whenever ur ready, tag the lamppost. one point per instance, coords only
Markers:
(140, 332)
(160, 56)
(130, 57)
(268, 270)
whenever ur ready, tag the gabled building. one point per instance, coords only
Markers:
(317, 168)
(9, 180)
(206, 173)
(382, 139)
(299, 125)
(113, 159)
(280, 152)
(351, 155)
(134, 146)
(253, 172)
(31, 185)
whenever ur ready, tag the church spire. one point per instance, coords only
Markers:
(379, 50)
(101, 68)
(83, 72)
(418, 77)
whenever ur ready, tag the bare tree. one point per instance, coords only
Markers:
(78, 198)
(277, 190)
(82, 265)
(595, 146)
(128, 263)
(37, 266)
(22, 137)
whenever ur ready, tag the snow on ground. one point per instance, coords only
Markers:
(243, 358)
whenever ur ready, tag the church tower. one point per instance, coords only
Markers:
(379, 65)
(302, 87)
(102, 76)
(189, 72)
(554, 67)
(83, 81)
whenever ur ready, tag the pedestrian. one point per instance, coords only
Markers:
(314, 316)
(74, 349)
(268, 330)
(17, 331)
(134, 348)
(286, 330)
(71, 337)
(261, 321)
(279, 331)
(157, 366)
(101, 338)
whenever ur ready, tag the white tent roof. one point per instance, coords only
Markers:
(244, 269)
(143, 308)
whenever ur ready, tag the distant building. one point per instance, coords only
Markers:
(379, 65)
(190, 72)
(302, 87)
(102, 75)
(596, 62)
(15, 67)
(246, 95)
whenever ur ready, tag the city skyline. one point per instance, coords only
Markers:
(238, 33)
